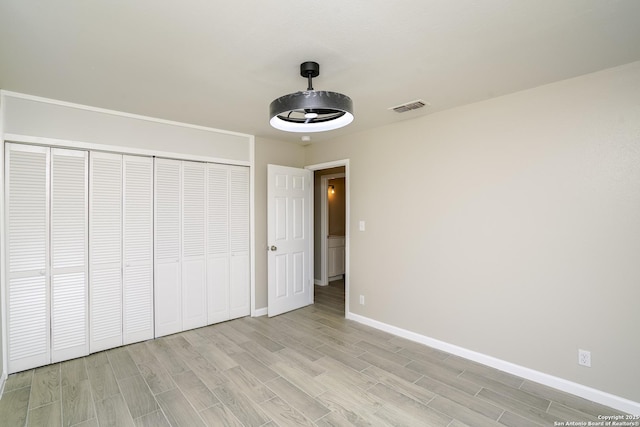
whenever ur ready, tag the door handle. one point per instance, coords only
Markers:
(273, 248)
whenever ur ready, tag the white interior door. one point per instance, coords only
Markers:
(194, 273)
(239, 242)
(167, 274)
(28, 309)
(289, 231)
(105, 251)
(69, 254)
(137, 249)
(217, 243)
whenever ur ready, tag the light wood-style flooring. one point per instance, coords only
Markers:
(310, 367)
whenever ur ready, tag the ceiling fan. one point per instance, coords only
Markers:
(311, 110)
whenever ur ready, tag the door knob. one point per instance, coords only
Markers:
(273, 248)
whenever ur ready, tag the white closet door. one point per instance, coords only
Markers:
(167, 247)
(239, 298)
(27, 239)
(194, 273)
(105, 251)
(69, 299)
(138, 248)
(217, 243)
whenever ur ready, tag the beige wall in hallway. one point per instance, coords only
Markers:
(515, 226)
(336, 205)
(268, 151)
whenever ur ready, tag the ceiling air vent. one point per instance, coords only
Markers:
(408, 106)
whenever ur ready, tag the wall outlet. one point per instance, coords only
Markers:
(584, 358)
(361, 299)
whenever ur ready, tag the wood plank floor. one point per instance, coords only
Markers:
(310, 367)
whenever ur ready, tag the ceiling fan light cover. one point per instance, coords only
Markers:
(311, 111)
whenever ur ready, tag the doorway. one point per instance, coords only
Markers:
(331, 238)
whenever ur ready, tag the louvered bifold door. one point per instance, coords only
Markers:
(27, 231)
(194, 272)
(69, 254)
(167, 246)
(239, 235)
(105, 251)
(138, 249)
(217, 243)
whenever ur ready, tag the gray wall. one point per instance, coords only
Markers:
(515, 226)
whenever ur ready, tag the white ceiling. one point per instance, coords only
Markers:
(220, 63)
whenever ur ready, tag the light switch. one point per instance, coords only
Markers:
(361, 225)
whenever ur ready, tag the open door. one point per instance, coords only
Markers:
(289, 232)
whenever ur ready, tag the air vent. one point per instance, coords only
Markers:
(412, 105)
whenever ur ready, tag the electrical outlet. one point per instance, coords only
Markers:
(361, 299)
(584, 358)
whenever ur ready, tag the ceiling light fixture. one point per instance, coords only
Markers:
(311, 110)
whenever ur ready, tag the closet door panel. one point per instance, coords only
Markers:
(217, 243)
(28, 323)
(239, 301)
(69, 316)
(69, 254)
(105, 308)
(167, 247)
(138, 303)
(168, 297)
(194, 297)
(27, 227)
(217, 289)
(138, 248)
(105, 251)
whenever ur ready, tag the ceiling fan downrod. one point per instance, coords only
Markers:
(310, 70)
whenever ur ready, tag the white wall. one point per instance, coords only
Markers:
(519, 235)
(38, 117)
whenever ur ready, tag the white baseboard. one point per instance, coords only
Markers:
(583, 391)
(319, 282)
(3, 381)
(260, 312)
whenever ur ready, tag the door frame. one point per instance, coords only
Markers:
(347, 215)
